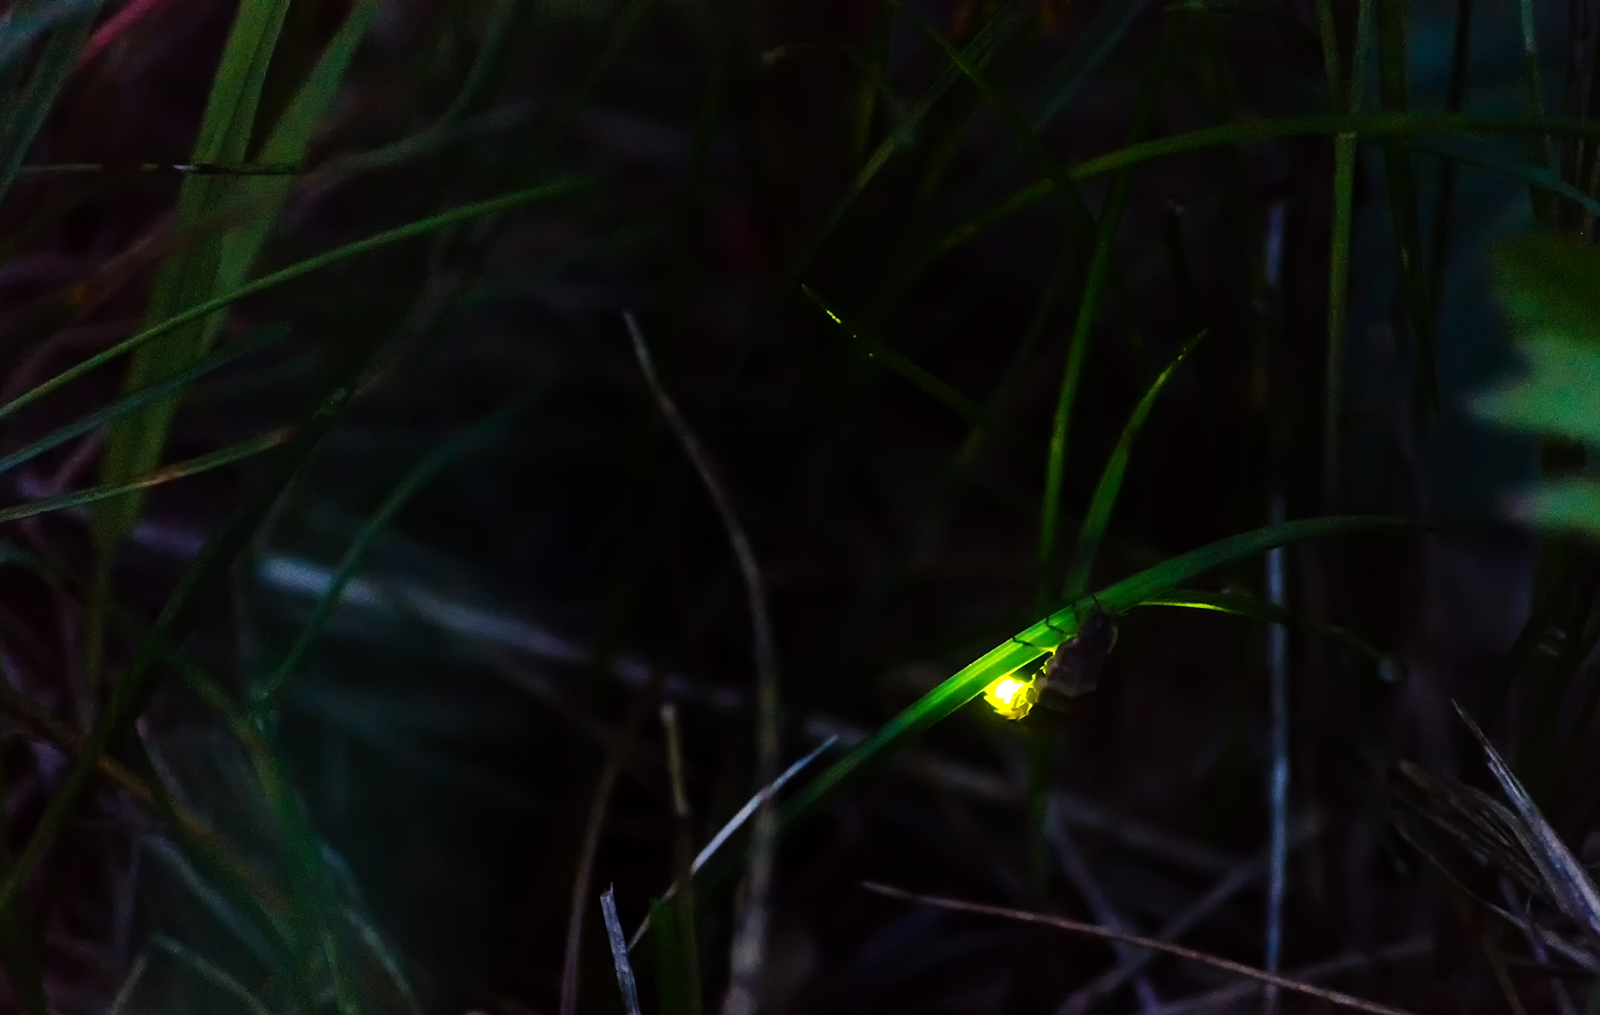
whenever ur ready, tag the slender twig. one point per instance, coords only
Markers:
(736, 822)
(1106, 933)
(619, 952)
(616, 759)
(1223, 998)
(749, 939)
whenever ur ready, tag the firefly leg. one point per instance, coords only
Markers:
(1049, 648)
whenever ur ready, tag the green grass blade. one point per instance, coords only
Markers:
(1093, 530)
(1332, 66)
(1088, 311)
(1460, 151)
(875, 351)
(196, 272)
(1089, 53)
(268, 697)
(230, 115)
(503, 17)
(208, 570)
(1344, 186)
(167, 474)
(135, 400)
(879, 38)
(1040, 638)
(1372, 125)
(673, 942)
(1400, 174)
(1252, 608)
(286, 144)
(412, 230)
(905, 133)
(317, 910)
(22, 115)
(1032, 142)
(1024, 134)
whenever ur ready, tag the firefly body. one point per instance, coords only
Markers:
(1074, 669)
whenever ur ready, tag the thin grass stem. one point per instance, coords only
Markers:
(1333, 997)
(749, 944)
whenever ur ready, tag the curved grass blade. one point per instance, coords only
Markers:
(1027, 136)
(1098, 517)
(1094, 282)
(1066, 81)
(299, 269)
(1252, 608)
(209, 568)
(135, 400)
(879, 38)
(502, 18)
(286, 145)
(1456, 150)
(179, 470)
(190, 273)
(1033, 143)
(1373, 125)
(1032, 643)
(1089, 53)
(268, 697)
(905, 133)
(976, 415)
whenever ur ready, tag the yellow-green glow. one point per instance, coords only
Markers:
(1010, 697)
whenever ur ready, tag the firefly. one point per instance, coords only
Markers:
(1012, 697)
(1071, 671)
(1074, 668)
